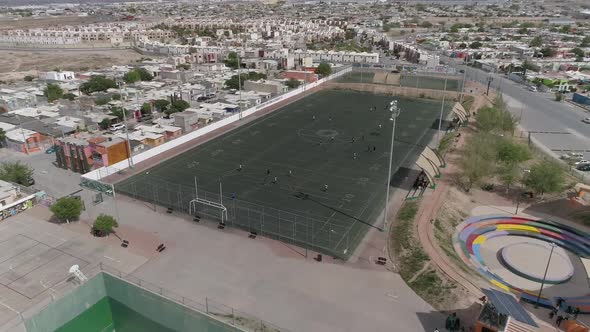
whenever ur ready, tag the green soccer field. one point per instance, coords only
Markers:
(306, 146)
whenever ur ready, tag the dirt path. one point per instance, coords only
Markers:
(428, 211)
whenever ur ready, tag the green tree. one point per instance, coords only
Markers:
(523, 31)
(578, 52)
(69, 96)
(324, 69)
(144, 74)
(67, 209)
(29, 78)
(536, 42)
(105, 123)
(426, 24)
(510, 174)
(16, 172)
(53, 92)
(97, 84)
(177, 106)
(475, 45)
(118, 112)
(545, 177)
(161, 104)
(565, 29)
(146, 108)
(349, 34)
(510, 152)
(548, 52)
(558, 96)
(475, 165)
(132, 76)
(102, 100)
(492, 119)
(293, 83)
(585, 42)
(232, 60)
(104, 225)
(2, 137)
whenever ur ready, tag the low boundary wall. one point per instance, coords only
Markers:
(105, 171)
(396, 90)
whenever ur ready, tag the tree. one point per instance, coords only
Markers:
(523, 31)
(161, 104)
(104, 225)
(177, 106)
(16, 172)
(426, 24)
(510, 152)
(2, 137)
(97, 84)
(475, 45)
(493, 119)
(67, 209)
(545, 177)
(578, 52)
(102, 100)
(144, 74)
(232, 60)
(293, 83)
(118, 112)
(349, 34)
(536, 42)
(558, 96)
(324, 69)
(585, 42)
(565, 29)
(146, 108)
(131, 77)
(510, 174)
(69, 96)
(53, 92)
(104, 123)
(548, 52)
(527, 65)
(28, 78)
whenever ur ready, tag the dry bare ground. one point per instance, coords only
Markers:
(16, 64)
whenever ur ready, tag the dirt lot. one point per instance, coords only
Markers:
(16, 64)
(44, 22)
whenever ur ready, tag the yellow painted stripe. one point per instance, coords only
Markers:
(480, 239)
(508, 227)
(500, 285)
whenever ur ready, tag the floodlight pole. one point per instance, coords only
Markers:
(393, 108)
(128, 145)
(196, 189)
(442, 106)
(545, 275)
(463, 87)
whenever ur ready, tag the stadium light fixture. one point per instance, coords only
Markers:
(395, 111)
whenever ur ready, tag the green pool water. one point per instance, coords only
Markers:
(109, 315)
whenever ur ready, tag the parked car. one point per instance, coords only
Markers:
(116, 126)
(50, 150)
(584, 168)
(586, 120)
(533, 88)
(582, 162)
(572, 156)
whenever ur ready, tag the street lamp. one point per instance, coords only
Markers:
(395, 111)
(490, 79)
(128, 145)
(553, 245)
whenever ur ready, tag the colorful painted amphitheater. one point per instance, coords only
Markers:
(472, 234)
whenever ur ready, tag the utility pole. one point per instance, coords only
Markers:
(128, 143)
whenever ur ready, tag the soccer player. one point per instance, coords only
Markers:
(240, 167)
(325, 188)
(275, 180)
(268, 171)
(290, 173)
(354, 156)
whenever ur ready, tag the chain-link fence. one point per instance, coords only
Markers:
(333, 236)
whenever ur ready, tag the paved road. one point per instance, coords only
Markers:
(54, 181)
(561, 122)
(59, 49)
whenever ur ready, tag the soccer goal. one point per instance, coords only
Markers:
(197, 203)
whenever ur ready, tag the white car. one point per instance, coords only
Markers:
(586, 120)
(117, 126)
(573, 156)
(582, 162)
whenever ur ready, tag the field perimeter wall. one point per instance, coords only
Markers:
(396, 90)
(105, 171)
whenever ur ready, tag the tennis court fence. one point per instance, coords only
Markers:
(337, 237)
